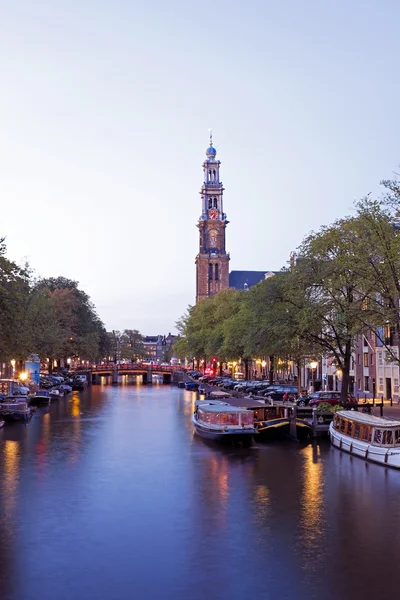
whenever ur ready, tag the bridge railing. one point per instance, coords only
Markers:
(129, 367)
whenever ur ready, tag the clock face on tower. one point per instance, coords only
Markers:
(213, 214)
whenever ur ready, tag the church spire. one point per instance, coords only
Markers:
(212, 261)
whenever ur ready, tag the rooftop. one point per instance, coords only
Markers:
(240, 279)
(369, 419)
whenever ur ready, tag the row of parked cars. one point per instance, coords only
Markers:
(276, 392)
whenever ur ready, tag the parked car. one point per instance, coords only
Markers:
(332, 398)
(278, 393)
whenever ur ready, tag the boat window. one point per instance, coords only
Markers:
(229, 419)
(350, 428)
(397, 436)
(378, 436)
(356, 433)
(336, 422)
(367, 433)
(342, 424)
(204, 416)
(247, 418)
(215, 418)
(387, 437)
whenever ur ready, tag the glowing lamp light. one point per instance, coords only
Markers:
(69, 361)
(13, 361)
(314, 364)
(23, 376)
(263, 364)
(234, 363)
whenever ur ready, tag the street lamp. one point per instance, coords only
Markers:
(313, 366)
(263, 364)
(13, 361)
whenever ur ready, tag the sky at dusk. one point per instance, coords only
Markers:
(105, 109)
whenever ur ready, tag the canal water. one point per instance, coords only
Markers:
(109, 496)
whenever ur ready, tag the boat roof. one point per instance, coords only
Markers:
(247, 403)
(369, 419)
(218, 406)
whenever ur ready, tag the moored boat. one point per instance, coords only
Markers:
(222, 422)
(40, 398)
(375, 439)
(11, 410)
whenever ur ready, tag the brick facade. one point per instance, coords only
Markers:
(212, 261)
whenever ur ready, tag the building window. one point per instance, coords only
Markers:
(216, 277)
(380, 384)
(210, 203)
(366, 359)
(210, 272)
(380, 359)
(396, 386)
(371, 359)
(388, 335)
(366, 383)
(215, 203)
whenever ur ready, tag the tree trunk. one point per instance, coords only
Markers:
(204, 364)
(246, 368)
(50, 366)
(221, 371)
(271, 369)
(345, 373)
(298, 364)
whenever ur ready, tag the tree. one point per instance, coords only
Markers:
(325, 290)
(132, 346)
(276, 329)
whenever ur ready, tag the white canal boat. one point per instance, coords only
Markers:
(221, 422)
(376, 439)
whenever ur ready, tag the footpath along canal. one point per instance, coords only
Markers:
(109, 496)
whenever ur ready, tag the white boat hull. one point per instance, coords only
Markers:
(389, 457)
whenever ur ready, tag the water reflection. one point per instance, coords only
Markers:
(112, 484)
(312, 500)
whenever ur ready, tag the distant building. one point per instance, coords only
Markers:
(212, 261)
(158, 347)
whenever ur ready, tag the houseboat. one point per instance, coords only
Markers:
(376, 439)
(221, 422)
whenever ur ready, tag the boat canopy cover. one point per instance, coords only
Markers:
(215, 406)
(368, 419)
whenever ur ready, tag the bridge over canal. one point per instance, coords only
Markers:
(170, 374)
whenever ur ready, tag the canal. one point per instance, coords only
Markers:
(109, 496)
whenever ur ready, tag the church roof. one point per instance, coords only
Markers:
(238, 279)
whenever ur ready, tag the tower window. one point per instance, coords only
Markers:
(210, 272)
(215, 203)
(214, 179)
(210, 203)
(209, 175)
(216, 272)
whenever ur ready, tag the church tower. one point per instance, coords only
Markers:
(212, 261)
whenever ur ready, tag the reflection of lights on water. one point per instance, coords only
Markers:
(312, 504)
(262, 500)
(10, 479)
(76, 406)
